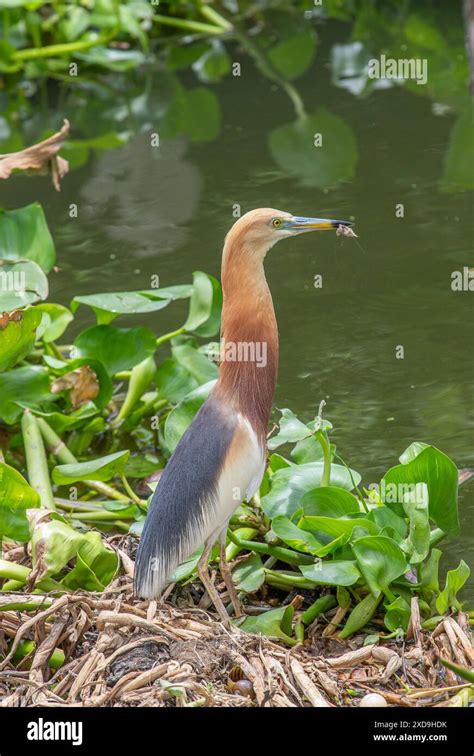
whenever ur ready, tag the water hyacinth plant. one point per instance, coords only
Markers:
(154, 126)
(85, 424)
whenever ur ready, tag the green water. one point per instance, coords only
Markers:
(144, 211)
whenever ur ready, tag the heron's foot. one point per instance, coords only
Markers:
(211, 589)
(229, 583)
(213, 594)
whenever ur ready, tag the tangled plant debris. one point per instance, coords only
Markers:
(117, 651)
(340, 583)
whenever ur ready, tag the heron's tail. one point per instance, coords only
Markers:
(184, 512)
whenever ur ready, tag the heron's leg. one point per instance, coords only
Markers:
(227, 576)
(203, 572)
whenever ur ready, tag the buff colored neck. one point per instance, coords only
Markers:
(248, 323)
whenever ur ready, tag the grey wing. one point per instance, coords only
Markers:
(184, 509)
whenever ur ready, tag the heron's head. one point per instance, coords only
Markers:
(258, 230)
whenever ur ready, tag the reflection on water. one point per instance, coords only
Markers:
(144, 211)
(124, 191)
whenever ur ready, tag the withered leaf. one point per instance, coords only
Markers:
(35, 518)
(8, 317)
(39, 158)
(82, 384)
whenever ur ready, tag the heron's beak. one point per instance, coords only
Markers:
(314, 224)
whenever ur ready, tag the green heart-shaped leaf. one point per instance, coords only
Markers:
(61, 422)
(380, 561)
(440, 474)
(397, 614)
(16, 496)
(386, 518)
(199, 367)
(96, 565)
(182, 415)
(249, 575)
(58, 318)
(103, 468)
(17, 338)
(412, 451)
(289, 485)
(173, 380)
(53, 542)
(116, 348)
(334, 572)
(293, 536)
(291, 430)
(329, 501)
(275, 624)
(336, 527)
(455, 580)
(109, 305)
(24, 234)
(30, 384)
(205, 306)
(429, 573)
(22, 282)
(417, 543)
(307, 450)
(361, 614)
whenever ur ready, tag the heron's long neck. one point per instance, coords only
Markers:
(249, 350)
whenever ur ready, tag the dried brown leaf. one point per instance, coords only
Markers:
(39, 158)
(351, 658)
(8, 317)
(82, 384)
(307, 686)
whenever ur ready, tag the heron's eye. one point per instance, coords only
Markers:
(276, 223)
